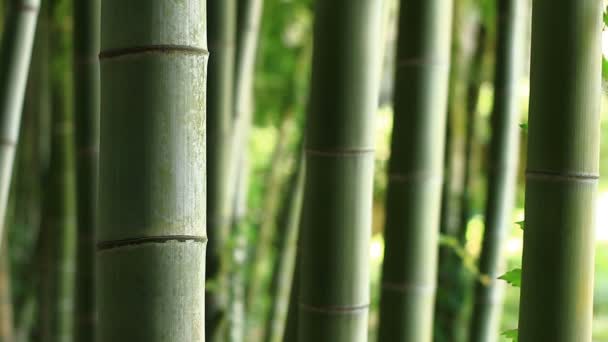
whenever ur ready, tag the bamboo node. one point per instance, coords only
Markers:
(114, 244)
(556, 176)
(184, 49)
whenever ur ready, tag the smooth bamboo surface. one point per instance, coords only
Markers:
(409, 271)
(562, 171)
(220, 104)
(152, 234)
(86, 121)
(339, 147)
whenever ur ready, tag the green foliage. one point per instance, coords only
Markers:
(511, 334)
(606, 16)
(524, 126)
(512, 277)
(521, 224)
(283, 59)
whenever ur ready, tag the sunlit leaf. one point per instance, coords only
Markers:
(512, 277)
(510, 334)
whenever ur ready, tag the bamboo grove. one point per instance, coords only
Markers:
(303, 170)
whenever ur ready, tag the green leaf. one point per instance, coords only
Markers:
(512, 334)
(521, 224)
(604, 68)
(524, 126)
(512, 277)
(606, 16)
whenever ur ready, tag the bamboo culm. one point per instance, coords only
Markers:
(502, 172)
(415, 171)
(152, 189)
(15, 54)
(286, 258)
(86, 119)
(220, 107)
(336, 221)
(556, 301)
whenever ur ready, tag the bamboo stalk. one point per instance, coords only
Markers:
(336, 226)
(562, 171)
(59, 202)
(285, 265)
(86, 117)
(15, 54)
(502, 171)
(152, 236)
(222, 40)
(415, 171)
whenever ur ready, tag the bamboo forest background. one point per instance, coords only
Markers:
(248, 290)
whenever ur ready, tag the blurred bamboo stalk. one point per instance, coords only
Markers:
(502, 171)
(15, 54)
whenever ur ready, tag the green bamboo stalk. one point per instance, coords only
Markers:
(43, 263)
(453, 151)
(336, 223)
(222, 37)
(15, 53)
(86, 118)
(236, 321)
(28, 181)
(291, 322)
(152, 236)
(473, 89)
(415, 171)
(454, 288)
(60, 202)
(286, 256)
(248, 28)
(562, 171)
(502, 171)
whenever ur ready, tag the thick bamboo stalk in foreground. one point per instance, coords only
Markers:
(339, 147)
(152, 236)
(220, 103)
(562, 171)
(502, 171)
(86, 119)
(15, 54)
(415, 171)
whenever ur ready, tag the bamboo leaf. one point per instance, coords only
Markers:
(521, 224)
(512, 277)
(524, 126)
(511, 334)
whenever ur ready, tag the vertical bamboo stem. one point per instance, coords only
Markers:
(336, 226)
(502, 171)
(562, 171)
(152, 235)
(415, 171)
